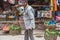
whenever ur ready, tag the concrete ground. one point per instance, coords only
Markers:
(19, 37)
(38, 35)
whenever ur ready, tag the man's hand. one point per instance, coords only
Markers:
(16, 6)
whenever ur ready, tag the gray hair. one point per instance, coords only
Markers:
(25, 1)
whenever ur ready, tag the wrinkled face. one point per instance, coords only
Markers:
(24, 3)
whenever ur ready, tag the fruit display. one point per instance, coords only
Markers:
(12, 27)
(58, 33)
(51, 34)
(50, 23)
(14, 30)
(46, 23)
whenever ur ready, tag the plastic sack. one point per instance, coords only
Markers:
(6, 28)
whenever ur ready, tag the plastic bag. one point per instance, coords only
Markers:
(6, 28)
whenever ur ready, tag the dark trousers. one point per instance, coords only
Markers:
(29, 33)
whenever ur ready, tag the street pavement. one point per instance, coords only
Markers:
(38, 35)
(21, 37)
(17, 37)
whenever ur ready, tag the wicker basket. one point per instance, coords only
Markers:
(50, 37)
(50, 27)
(15, 32)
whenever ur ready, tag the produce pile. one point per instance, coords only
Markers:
(12, 27)
(50, 23)
(52, 32)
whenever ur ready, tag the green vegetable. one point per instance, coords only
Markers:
(59, 34)
(52, 33)
(47, 34)
(17, 28)
(47, 30)
(12, 27)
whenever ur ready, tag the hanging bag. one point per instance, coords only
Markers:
(11, 1)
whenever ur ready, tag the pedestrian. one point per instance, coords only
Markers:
(29, 21)
(28, 16)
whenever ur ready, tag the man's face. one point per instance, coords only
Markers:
(24, 3)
